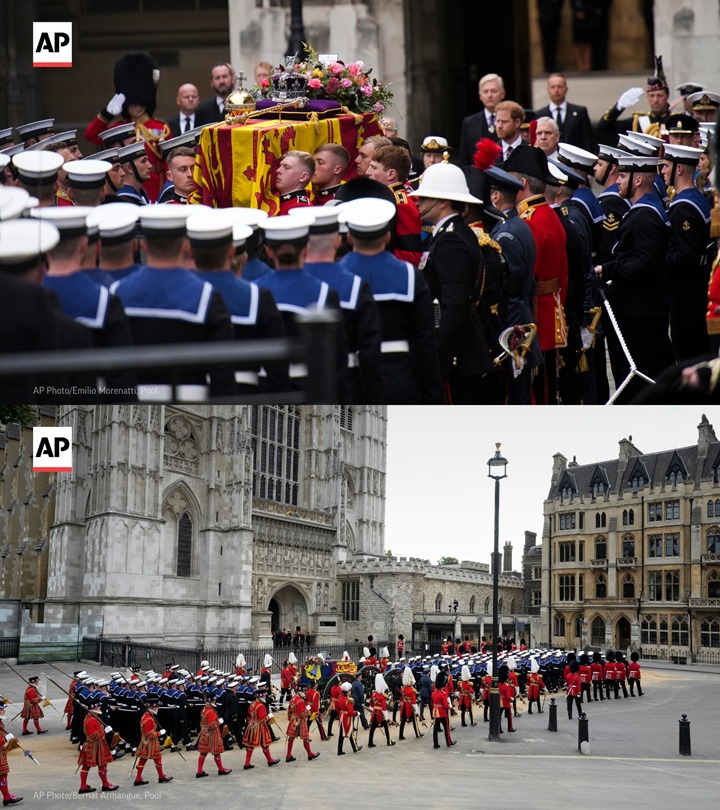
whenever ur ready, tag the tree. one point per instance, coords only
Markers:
(24, 415)
(389, 555)
(448, 561)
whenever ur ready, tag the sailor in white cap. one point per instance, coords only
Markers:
(6, 137)
(38, 173)
(296, 291)
(215, 239)
(613, 205)
(409, 346)
(115, 177)
(168, 304)
(137, 168)
(361, 317)
(87, 180)
(689, 254)
(638, 295)
(117, 226)
(704, 105)
(35, 131)
(68, 139)
(253, 265)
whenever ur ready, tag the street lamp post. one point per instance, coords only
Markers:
(497, 470)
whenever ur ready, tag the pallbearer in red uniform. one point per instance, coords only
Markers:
(298, 713)
(379, 711)
(5, 739)
(331, 162)
(32, 707)
(440, 704)
(95, 752)
(291, 179)
(346, 713)
(257, 733)
(535, 685)
(467, 692)
(149, 747)
(210, 740)
(408, 703)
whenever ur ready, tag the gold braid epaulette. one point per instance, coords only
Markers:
(483, 239)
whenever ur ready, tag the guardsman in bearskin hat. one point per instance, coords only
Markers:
(634, 674)
(149, 747)
(210, 740)
(32, 707)
(5, 739)
(507, 695)
(596, 670)
(136, 76)
(298, 713)
(440, 706)
(573, 688)
(95, 752)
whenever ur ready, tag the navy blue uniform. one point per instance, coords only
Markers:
(254, 317)
(409, 347)
(172, 305)
(361, 320)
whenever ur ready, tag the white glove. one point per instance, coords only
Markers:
(629, 98)
(115, 105)
(449, 703)
(9, 737)
(587, 337)
(220, 720)
(162, 731)
(386, 714)
(270, 715)
(108, 729)
(517, 691)
(308, 707)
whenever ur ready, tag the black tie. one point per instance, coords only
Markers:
(558, 116)
(186, 123)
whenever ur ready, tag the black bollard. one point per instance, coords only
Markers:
(684, 736)
(583, 735)
(552, 720)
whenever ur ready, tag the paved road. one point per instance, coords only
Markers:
(634, 761)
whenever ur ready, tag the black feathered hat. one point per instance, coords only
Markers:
(136, 76)
(528, 160)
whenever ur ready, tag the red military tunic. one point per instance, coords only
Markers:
(149, 747)
(298, 715)
(507, 693)
(294, 199)
(313, 698)
(70, 703)
(62, 197)
(408, 698)
(153, 132)
(210, 740)
(585, 674)
(439, 701)
(378, 706)
(596, 671)
(467, 692)
(287, 676)
(408, 227)
(346, 712)
(713, 309)
(534, 684)
(634, 670)
(487, 687)
(384, 664)
(257, 734)
(95, 752)
(551, 270)
(31, 709)
(4, 767)
(323, 196)
(572, 685)
(335, 692)
(371, 661)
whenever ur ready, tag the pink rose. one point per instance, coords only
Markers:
(264, 82)
(360, 64)
(366, 89)
(378, 107)
(336, 68)
(315, 83)
(346, 83)
(353, 69)
(332, 86)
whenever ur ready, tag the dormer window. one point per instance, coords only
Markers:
(637, 482)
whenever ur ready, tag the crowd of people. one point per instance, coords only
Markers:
(146, 714)
(505, 271)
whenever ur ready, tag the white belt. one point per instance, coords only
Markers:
(246, 378)
(353, 360)
(164, 393)
(389, 346)
(298, 370)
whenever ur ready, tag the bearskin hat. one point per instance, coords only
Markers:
(136, 76)
(634, 656)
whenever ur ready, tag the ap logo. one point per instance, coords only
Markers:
(52, 44)
(52, 449)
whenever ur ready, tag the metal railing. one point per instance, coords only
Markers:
(316, 348)
(9, 647)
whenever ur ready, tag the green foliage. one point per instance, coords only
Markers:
(448, 561)
(24, 415)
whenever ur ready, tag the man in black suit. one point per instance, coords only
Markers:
(188, 100)
(572, 119)
(222, 81)
(491, 91)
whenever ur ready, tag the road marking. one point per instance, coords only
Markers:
(579, 756)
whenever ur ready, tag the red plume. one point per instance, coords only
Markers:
(533, 132)
(487, 151)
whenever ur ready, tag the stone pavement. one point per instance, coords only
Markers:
(634, 760)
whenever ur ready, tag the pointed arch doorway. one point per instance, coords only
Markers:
(622, 634)
(289, 610)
